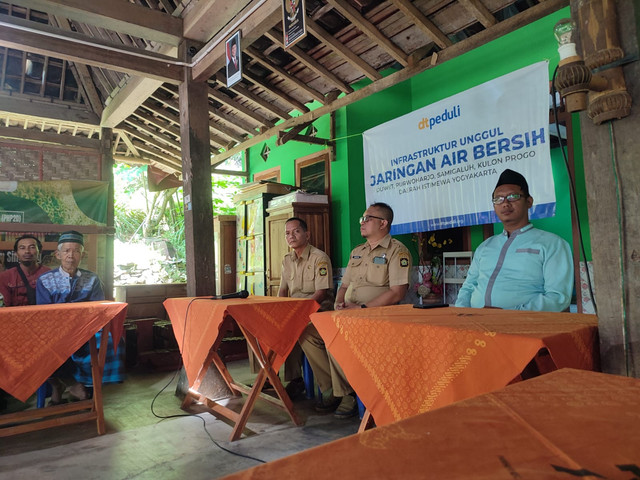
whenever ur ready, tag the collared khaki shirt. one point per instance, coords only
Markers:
(372, 272)
(306, 274)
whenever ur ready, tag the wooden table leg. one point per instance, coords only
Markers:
(98, 359)
(367, 421)
(266, 371)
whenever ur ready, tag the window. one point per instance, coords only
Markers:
(312, 173)
(270, 175)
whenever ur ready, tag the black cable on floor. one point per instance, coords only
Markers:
(204, 423)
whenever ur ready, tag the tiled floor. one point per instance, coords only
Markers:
(138, 445)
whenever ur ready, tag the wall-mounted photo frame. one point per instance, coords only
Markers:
(294, 27)
(234, 59)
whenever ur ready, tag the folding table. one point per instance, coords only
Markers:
(271, 326)
(567, 424)
(403, 361)
(35, 340)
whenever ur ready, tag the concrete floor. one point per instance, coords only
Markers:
(138, 445)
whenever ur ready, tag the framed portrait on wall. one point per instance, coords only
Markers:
(234, 59)
(294, 26)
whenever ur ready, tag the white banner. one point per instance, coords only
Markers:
(438, 166)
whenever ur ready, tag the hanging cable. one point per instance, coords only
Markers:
(621, 250)
(574, 197)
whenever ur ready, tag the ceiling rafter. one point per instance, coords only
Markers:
(370, 30)
(339, 48)
(163, 142)
(237, 122)
(310, 62)
(224, 129)
(235, 105)
(173, 120)
(119, 16)
(45, 40)
(502, 28)
(422, 22)
(276, 92)
(349, 40)
(482, 13)
(252, 96)
(282, 73)
(159, 149)
(83, 76)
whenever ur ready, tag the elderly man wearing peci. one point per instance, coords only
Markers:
(66, 284)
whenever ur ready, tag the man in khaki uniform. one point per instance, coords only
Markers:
(306, 270)
(377, 274)
(306, 273)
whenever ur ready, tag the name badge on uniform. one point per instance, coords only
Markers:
(356, 257)
(379, 260)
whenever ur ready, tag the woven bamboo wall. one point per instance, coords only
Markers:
(22, 163)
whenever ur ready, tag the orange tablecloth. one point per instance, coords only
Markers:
(276, 323)
(403, 361)
(561, 425)
(35, 340)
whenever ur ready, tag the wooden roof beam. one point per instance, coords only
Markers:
(478, 10)
(422, 22)
(281, 72)
(284, 137)
(229, 132)
(370, 30)
(202, 20)
(21, 105)
(158, 122)
(242, 109)
(173, 120)
(235, 121)
(42, 39)
(309, 62)
(81, 71)
(253, 97)
(233, 137)
(342, 50)
(125, 138)
(276, 92)
(151, 125)
(20, 133)
(170, 154)
(153, 133)
(212, 58)
(501, 28)
(160, 159)
(120, 16)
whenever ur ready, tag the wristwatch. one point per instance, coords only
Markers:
(363, 306)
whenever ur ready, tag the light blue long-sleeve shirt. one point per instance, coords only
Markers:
(529, 270)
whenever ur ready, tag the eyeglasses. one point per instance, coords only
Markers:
(512, 197)
(366, 218)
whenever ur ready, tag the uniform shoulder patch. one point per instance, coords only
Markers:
(322, 269)
(404, 260)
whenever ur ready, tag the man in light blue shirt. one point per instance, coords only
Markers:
(522, 268)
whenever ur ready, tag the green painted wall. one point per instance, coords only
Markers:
(528, 45)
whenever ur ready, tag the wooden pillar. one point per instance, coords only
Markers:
(196, 173)
(106, 140)
(612, 176)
